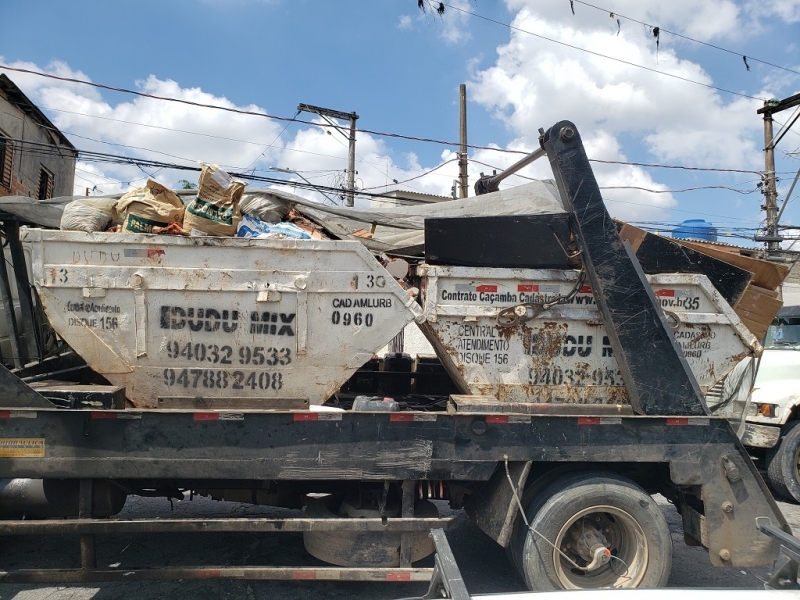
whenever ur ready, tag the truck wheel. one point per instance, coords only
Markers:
(783, 462)
(608, 530)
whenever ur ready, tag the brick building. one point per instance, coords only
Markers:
(36, 159)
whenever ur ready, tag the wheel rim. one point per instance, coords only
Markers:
(797, 463)
(620, 533)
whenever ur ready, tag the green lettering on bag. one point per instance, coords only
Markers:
(212, 212)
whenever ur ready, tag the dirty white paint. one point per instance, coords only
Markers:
(169, 316)
(564, 354)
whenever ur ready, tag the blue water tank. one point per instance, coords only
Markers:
(695, 229)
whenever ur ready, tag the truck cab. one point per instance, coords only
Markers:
(772, 414)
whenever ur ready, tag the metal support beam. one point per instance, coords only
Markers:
(88, 556)
(32, 342)
(407, 511)
(10, 314)
(657, 377)
(463, 176)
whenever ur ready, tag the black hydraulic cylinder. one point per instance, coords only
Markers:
(657, 377)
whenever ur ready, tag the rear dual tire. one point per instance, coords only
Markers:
(585, 506)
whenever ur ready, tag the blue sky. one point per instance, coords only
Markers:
(400, 69)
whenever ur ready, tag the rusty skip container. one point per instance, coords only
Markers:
(173, 317)
(563, 355)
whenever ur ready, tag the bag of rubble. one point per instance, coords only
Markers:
(266, 207)
(151, 206)
(215, 211)
(89, 215)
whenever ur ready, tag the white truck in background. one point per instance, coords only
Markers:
(773, 412)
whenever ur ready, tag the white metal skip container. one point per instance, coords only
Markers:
(172, 317)
(564, 355)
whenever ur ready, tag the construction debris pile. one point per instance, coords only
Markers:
(219, 208)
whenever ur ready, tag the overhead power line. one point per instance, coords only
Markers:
(592, 52)
(252, 113)
(686, 37)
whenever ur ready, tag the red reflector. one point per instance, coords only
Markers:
(527, 287)
(585, 290)
(669, 293)
(5, 414)
(401, 417)
(206, 416)
(309, 416)
(208, 574)
(304, 574)
(588, 420)
(486, 288)
(678, 421)
(497, 418)
(98, 414)
(398, 577)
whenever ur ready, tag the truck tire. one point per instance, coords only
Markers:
(601, 511)
(783, 462)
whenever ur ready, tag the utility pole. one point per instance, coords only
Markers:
(350, 185)
(462, 155)
(773, 238)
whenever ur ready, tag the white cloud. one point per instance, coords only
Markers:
(404, 22)
(535, 83)
(787, 10)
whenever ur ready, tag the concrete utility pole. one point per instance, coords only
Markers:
(773, 238)
(462, 155)
(350, 186)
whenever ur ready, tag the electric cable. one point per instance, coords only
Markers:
(686, 37)
(592, 52)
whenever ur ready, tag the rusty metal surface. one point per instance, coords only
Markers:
(564, 354)
(288, 525)
(393, 574)
(169, 316)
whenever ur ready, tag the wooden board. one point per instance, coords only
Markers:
(658, 254)
(757, 309)
(766, 274)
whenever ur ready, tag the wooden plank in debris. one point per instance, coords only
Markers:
(658, 254)
(766, 274)
(757, 309)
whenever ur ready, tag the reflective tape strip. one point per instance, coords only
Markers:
(306, 416)
(304, 574)
(127, 415)
(17, 414)
(208, 574)
(231, 416)
(599, 420)
(206, 416)
(679, 421)
(103, 414)
(665, 293)
(401, 417)
(486, 288)
(398, 577)
(497, 418)
(424, 417)
(329, 416)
